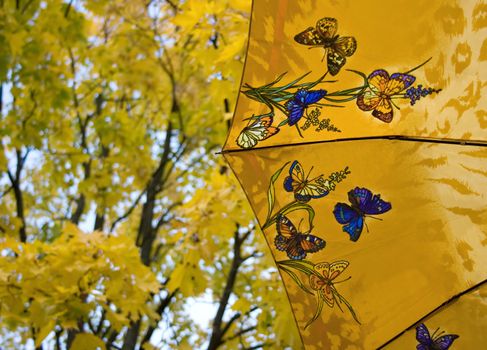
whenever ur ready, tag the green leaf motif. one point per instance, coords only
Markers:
(271, 193)
(319, 309)
(304, 266)
(296, 279)
(300, 206)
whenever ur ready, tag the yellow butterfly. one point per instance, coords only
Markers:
(382, 88)
(256, 131)
(304, 189)
(324, 283)
(337, 48)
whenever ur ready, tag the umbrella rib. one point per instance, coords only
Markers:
(386, 137)
(471, 289)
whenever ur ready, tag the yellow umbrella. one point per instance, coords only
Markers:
(359, 138)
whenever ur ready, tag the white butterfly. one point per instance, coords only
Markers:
(256, 131)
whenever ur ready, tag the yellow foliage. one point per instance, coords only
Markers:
(215, 209)
(233, 49)
(187, 276)
(44, 332)
(135, 58)
(192, 12)
(86, 341)
(63, 281)
(242, 305)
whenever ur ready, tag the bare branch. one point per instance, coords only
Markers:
(255, 254)
(58, 339)
(91, 326)
(128, 212)
(218, 331)
(100, 323)
(160, 310)
(258, 346)
(68, 7)
(173, 5)
(240, 333)
(235, 317)
(229, 324)
(16, 184)
(163, 219)
(8, 189)
(81, 201)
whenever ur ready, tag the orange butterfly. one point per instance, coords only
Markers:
(324, 282)
(293, 242)
(382, 87)
(337, 48)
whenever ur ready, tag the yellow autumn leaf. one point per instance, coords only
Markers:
(242, 305)
(242, 5)
(149, 346)
(231, 50)
(87, 341)
(177, 277)
(192, 12)
(17, 41)
(44, 332)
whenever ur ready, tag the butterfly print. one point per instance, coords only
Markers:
(294, 243)
(324, 282)
(382, 87)
(301, 100)
(257, 130)
(304, 189)
(363, 203)
(438, 342)
(336, 48)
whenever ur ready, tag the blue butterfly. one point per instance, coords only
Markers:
(438, 342)
(301, 100)
(363, 203)
(304, 189)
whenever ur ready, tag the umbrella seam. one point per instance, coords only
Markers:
(389, 137)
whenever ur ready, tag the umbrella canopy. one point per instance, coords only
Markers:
(359, 139)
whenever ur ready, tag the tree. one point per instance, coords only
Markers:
(115, 212)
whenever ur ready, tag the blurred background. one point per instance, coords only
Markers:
(120, 226)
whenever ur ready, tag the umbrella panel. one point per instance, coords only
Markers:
(407, 261)
(393, 36)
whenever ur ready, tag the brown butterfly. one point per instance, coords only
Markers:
(336, 47)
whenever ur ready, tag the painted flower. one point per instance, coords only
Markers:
(415, 93)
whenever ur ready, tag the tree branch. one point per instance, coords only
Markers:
(68, 7)
(130, 339)
(235, 317)
(128, 212)
(15, 183)
(240, 333)
(58, 339)
(145, 234)
(163, 218)
(100, 323)
(160, 310)
(173, 5)
(229, 323)
(218, 332)
(81, 201)
(258, 346)
(10, 188)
